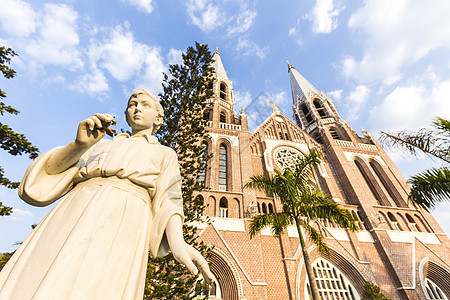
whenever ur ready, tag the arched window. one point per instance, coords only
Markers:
(212, 206)
(331, 282)
(424, 226)
(307, 114)
(394, 222)
(387, 183)
(223, 208)
(412, 223)
(202, 172)
(264, 208)
(223, 117)
(433, 291)
(259, 208)
(270, 208)
(207, 114)
(334, 133)
(320, 109)
(223, 166)
(235, 209)
(223, 91)
(368, 182)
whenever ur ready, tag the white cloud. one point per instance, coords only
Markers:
(143, 5)
(335, 95)
(17, 17)
(242, 22)
(324, 16)
(354, 101)
(92, 83)
(395, 34)
(174, 56)
(19, 214)
(295, 33)
(412, 106)
(125, 59)
(242, 98)
(211, 15)
(247, 48)
(205, 15)
(48, 36)
(151, 75)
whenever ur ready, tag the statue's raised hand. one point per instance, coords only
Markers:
(91, 130)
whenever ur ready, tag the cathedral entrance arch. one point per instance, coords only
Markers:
(226, 275)
(335, 276)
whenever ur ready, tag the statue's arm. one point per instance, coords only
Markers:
(184, 253)
(90, 131)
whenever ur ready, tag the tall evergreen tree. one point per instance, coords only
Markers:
(12, 142)
(184, 99)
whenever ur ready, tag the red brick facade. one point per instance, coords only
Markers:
(400, 248)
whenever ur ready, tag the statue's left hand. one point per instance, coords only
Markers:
(184, 253)
(194, 261)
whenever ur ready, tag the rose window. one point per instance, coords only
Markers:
(287, 157)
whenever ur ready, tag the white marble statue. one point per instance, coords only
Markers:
(123, 200)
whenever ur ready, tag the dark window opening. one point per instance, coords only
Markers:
(223, 117)
(223, 91)
(223, 167)
(320, 109)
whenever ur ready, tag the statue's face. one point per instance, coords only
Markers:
(141, 112)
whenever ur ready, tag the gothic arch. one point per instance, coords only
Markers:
(435, 272)
(211, 208)
(371, 181)
(387, 183)
(345, 266)
(227, 276)
(224, 142)
(223, 91)
(234, 209)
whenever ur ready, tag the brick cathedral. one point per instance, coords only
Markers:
(400, 248)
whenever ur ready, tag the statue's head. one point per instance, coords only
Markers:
(144, 111)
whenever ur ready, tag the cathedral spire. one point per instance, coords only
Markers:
(299, 85)
(218, 66)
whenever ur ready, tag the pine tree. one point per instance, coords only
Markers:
(184, 99)
(10, 141)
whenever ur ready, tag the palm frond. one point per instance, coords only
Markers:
(278, 221)
(430, 187)
(424, 140)
(316, 237)
(263, 183)
(442, 125)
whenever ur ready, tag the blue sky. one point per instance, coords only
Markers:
(384, 63)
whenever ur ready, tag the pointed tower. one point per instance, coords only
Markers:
(222, 109)
(366, 178)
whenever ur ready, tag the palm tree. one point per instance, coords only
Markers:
(302, 203)
(432, 185)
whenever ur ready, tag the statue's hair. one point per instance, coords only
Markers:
(159, 108)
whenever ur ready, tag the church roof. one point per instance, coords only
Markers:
(299, 85)
(217, 65)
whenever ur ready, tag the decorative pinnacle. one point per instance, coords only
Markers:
(217, 51)
(289, 66)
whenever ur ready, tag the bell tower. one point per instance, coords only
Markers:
(367, 180)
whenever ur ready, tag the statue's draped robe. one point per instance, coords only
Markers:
(94, 244)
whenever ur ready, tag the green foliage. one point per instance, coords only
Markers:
(433, 185)
(4, 257)
(372, 292)
(184, 97)
(10, 141)
(5, 210)
(302, 203)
